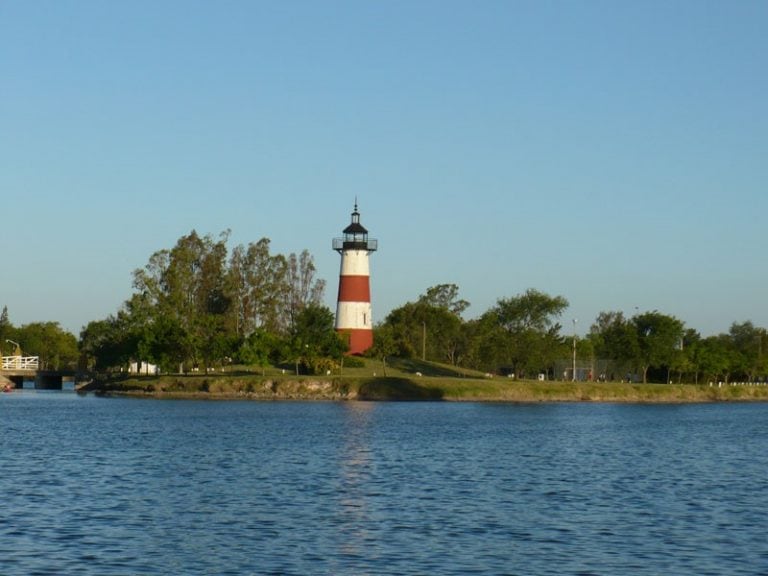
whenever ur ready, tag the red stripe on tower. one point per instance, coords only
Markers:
(354, 289)
(353, 307)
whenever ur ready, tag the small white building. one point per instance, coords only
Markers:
(144, 368)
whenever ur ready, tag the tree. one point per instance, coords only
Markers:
(187, 292)
(406, 325)
(194, 305)
(130, 335)
(102, 344)
(56, 347)
(685, 358)
(430, 328)
(442, 328)
(445, 296)
(533, 310)
(615, 340)
(257, 282)
(315, 344)
(6, 328)
(658, 338)
(168, 344)
(715, 357)
(533, 341)
(488, 343)
(257, 349)
(301, 287)
(215, 341)
(748, 345)
(419, 329)
(383, 344)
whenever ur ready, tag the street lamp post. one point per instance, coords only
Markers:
(574, 349)
(18, 346)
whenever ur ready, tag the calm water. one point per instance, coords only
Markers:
(92, 486)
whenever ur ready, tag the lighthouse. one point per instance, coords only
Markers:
(353, 307)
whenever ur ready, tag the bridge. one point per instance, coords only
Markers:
(24, 372)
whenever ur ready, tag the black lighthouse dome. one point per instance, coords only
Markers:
(355, 236)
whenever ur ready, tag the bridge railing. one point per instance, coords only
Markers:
(21, 362)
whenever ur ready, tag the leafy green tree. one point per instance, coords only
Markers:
(444, 334)
(6, 328)
(257, 349)
(302, 289)
(239, 291)
(102, 343)
(56, 347)
(658, 338)
(407, 324)
(585, 351)
(430, 328)
(615, 340)
(747, 350)
(187, 289)
(315, 343)
(424, 331)
(216, 343)
(195, 305)
(532, 310)
(533, 342)
(715, 357)
(168, 344)
(169, 281)
(445, 296)
(685, 359)
(488, 344)
(694, 350)
(129, 335)
(257, 281)
(384, 344)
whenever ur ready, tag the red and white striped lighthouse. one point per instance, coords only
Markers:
(353, 307)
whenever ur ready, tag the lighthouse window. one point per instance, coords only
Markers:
(365, 318)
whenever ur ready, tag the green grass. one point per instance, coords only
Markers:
(403, 382)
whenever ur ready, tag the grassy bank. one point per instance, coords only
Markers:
(403, 382)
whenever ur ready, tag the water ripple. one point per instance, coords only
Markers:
(117, 487)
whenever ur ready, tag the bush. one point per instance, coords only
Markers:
(353, 362)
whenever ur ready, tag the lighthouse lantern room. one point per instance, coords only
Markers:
(353, 307)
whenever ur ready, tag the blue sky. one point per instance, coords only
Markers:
(615, 153)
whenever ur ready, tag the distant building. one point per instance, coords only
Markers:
(144, 368)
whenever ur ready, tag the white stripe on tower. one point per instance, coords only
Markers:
(353, 308)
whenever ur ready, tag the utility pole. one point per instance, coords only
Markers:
(574, 349)
(423, 340)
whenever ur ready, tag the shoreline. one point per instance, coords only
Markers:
(436, 389)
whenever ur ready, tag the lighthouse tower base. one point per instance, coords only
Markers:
(358, 340)
(353, 314)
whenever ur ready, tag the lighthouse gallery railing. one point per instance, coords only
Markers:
(341, 244)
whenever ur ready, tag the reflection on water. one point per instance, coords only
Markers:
(113, 487)
(355, 476)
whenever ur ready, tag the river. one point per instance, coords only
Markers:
(98, 486)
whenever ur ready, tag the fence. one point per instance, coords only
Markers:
(21, 362)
